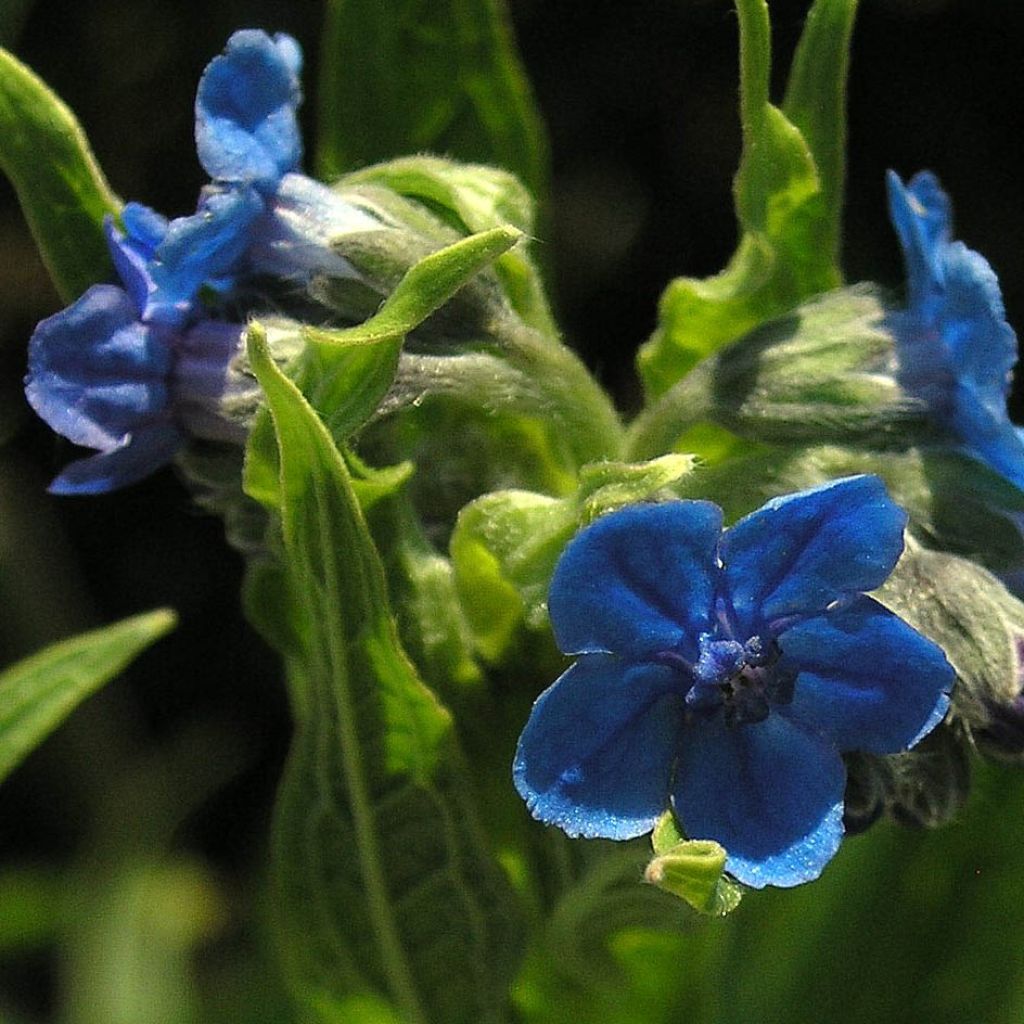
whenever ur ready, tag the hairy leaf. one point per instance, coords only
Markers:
(382, 878)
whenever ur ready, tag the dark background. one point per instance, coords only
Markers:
(640, 100)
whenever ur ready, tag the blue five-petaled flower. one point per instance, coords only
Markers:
(726, 673)
(954, 348)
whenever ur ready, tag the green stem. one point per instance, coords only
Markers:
(658, 428)
(579, 406)
(755, 64)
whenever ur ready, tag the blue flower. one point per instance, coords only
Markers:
(954, 347)
(725, 673)
(131, 371)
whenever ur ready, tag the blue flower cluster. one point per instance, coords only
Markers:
(726, 673)
(954, 347)
(132, 371)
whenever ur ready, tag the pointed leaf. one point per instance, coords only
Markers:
(816, 100)
(383, 881)
(37, 694)
(473, 197)
(60, 186)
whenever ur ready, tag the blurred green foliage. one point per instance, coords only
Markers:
(156, 923)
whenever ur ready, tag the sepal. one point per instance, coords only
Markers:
(692, 869)
(823, 373)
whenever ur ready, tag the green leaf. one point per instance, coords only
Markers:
(413, 75)
(788, 195)
(382, 877)
(505, 544)
(430, 619)
(424, 288)
(816, 100)
(41, 691)
(346, 372)
(60, 186)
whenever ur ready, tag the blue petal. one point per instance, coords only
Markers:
(771, 793)
(208, 245)
(988, 435)
(956, 351)
(141, 454)
(596, 754)
(133, 249)
(798, 553)
(246, 127)
(95, 373)
(922, 216)
(295, 240)
(981, 344)
(867, 680)
(638, 581)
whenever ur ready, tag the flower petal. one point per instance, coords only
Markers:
(867, 680)
(246, 128)
(96, 374)
(295, 240)
(771, 793)
(972, 319)
(142, 454)
(205, 246)
(988, 436)
(922, 215)
(596, 754)
(638, 581)
(133, 249)
(797, 554)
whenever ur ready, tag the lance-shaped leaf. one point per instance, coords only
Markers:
(383, 882)
(414, 75)
(345, 384)
(60, 186)
(788, 194)
(346, 372)
(38, 693)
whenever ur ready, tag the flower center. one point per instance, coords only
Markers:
(744, 680)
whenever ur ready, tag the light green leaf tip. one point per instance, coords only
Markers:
(38, 693)
(691, 869)
(61, 188)
(426, 286)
